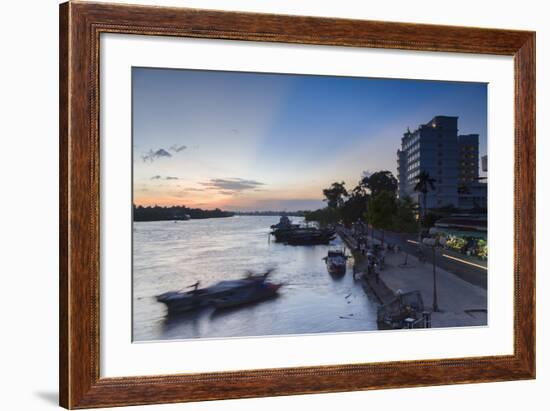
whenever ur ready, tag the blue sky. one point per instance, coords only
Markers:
(250, 141)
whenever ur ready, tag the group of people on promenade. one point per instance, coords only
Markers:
(375, 253)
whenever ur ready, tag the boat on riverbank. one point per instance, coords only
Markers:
(296, 235)
(311, 236)
(251, 288)
(336, 262)
(284, 223)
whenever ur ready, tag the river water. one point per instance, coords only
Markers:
(170, 256)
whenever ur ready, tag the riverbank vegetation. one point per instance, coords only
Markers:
(158, 213)
(373, 200)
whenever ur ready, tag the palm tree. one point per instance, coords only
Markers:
(425, 183)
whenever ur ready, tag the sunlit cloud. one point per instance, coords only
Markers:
(232, 185)
(193, 189)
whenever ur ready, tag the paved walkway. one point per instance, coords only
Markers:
(471, 269)
(460, 303)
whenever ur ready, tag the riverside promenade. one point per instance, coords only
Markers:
(460, 303)
(468, 268)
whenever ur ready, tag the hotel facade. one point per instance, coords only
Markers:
(452, 160)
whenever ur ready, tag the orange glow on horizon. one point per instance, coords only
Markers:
(238, 200)
(229, 203)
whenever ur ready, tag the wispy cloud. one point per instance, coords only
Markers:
(153, 155)
(157, 177)
(232, 185)
(193, 189)
(177, 148)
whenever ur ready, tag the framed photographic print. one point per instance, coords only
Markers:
(258, 205)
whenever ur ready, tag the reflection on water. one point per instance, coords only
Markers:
(170, 256)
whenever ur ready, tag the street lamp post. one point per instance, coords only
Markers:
(431, 242)
(434, 307)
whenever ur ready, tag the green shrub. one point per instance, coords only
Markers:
(482, 250)
(456, 243)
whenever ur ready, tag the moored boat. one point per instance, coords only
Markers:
(284, 223)
(312, 236)
(303, 235)
(336, 261)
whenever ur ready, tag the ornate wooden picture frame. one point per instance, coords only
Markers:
(81, 24)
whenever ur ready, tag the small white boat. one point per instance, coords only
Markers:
(336, 261)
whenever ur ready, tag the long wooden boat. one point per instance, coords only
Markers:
(182, 301)
(247, 295)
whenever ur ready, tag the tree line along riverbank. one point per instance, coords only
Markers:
(374, 201)
(175, 213)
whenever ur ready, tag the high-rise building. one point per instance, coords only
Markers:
(468, 159)
(432, 148)
(452, 160)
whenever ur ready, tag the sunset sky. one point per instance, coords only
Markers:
(248, 141)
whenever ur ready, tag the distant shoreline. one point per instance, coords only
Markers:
(178, 219)
(270, 213)
(175, 213)
(182, 213)
(210, 217)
